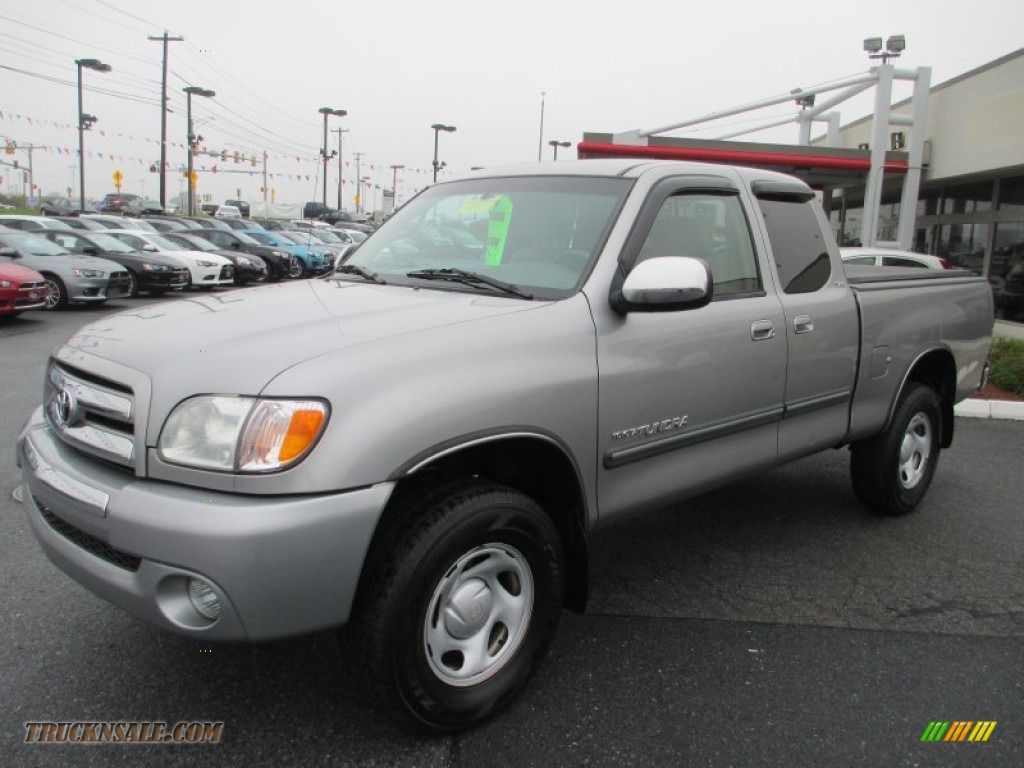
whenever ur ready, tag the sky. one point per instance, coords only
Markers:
(490, 69)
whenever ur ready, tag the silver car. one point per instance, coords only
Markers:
(71, 278)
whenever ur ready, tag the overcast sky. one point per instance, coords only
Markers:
(400, 66)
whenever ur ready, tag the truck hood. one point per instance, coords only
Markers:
(237, 342)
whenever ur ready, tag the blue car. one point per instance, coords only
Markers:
(311, 259)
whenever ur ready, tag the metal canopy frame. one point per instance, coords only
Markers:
(650, 142)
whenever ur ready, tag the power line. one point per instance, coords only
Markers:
(77, 41)
(91, 88)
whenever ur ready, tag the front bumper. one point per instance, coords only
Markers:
(89, 289)
(281, 566)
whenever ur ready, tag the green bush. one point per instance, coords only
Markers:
(1007, 359)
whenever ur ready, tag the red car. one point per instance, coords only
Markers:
(21, 288)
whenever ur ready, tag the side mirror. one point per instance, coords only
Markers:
(236, 245)
(665, 284)
(90, 250)
(150, 247)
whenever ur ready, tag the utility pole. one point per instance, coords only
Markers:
(339, 131)
(359, 184)
(394, 185)
(165, 39)
(266, 208)
(540, 139)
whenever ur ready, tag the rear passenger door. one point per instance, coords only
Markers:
(822, 326)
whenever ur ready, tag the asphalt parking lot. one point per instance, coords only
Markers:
(769, 623)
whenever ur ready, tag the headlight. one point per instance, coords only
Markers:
(241, 434)
(155, 267)
(5, 283)
(79, 272)
(205, 263)
(282, 254)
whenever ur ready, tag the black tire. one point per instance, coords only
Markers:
(888, 480)
(58, 298)
(188, 282)
(298, 270)
(478, 559)
(133, 284)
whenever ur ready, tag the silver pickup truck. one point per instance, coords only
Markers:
(421, 445)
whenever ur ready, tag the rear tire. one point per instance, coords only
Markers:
(460, 606)
(891, 472)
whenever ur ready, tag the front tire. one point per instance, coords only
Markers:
(891, 472)
(58, 298)
(461, 607)
(298, 270)
(133, 284)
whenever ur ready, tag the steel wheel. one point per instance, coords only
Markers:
(478, 615)
(57, 297)
(915, 451)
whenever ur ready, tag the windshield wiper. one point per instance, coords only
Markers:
(363, 272)
(455, 275)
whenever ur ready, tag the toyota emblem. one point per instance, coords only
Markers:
(65, 408)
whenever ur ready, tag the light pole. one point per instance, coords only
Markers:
(556, 144)
(327, 112)
(362, 193)
(394, 185)
(84, 122)
(540, 136)
(438, 127)
(193, 140)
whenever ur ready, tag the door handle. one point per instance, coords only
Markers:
(760, 330)
(803, 324)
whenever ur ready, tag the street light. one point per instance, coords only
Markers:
(438, 127)
(84, 123)
(327, 112)
(193, 140)
(394, 185)
(894, 46)
(556, 144)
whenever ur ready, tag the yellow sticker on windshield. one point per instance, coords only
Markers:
(499, 219)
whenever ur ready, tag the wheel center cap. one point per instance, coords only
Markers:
(468, 608)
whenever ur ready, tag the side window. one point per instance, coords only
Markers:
(896, 261)
(69, 243)
(711, 227)
(798, 244)
(868, 260)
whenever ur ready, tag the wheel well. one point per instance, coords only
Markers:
(534, 466)
(937, 370)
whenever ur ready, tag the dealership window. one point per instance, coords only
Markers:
(967, 198)
(963, 245)
(1011, 194)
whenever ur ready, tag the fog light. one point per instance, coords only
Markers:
(204, 599)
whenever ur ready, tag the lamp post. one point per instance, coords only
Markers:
(556, 144)
(327, 112)
(85, 122)
(193, 140)
(894, 46)
(438, 127)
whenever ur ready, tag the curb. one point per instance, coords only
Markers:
(975, 408)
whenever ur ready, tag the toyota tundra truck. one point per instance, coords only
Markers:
(420, 446)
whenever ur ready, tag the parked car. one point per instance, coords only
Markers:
(116, 202)
(272, 225)
(71, 278)
(147, 272)
(322, 238)
(886, 257)
(21, 289)
(205, 270)
(142, 207)
(243, 207)
(206, 222)
(121, 222)
(227, 212)
(243, 224)
(64, 206)
(81, 222)
(311, 259)
(31, 223)
(171, 223)
(314, 210)
(248, 268)
(349, 220)
(350, 235)
(280, 262)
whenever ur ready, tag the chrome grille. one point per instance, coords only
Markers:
(92, 414)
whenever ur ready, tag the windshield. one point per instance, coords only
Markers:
(109, 243)
(297, 238)
(247, 238)
(538, 233)
(165, 244)
(191, 243)
(258, 237)
(29, 243)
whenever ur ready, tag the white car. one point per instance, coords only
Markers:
(206, 270)
(887, 257)
(227, 212)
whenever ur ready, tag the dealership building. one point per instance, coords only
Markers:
(959, 144)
